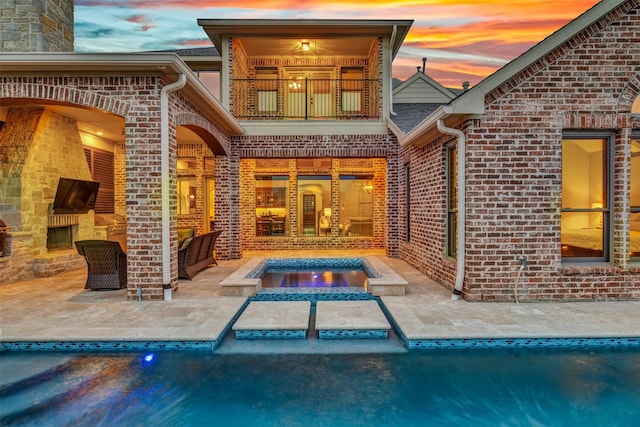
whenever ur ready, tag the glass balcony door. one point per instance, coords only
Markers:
(310, 94)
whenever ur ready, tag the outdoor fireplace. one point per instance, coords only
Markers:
(60, 231)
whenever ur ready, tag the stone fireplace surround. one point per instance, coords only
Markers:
(37, 148)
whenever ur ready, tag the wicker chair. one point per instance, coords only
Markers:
(197, 254)
(107, 264)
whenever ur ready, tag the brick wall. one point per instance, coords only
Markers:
(514, 166)
(36, 26)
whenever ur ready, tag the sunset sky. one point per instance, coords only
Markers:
(464, 40)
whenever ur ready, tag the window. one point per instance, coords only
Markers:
(452, 200)
(585, 224)
(356, 205)
(272, 205)
(187, 165)
(407, 207)
(352, 85)
(187, 196)
(314, 205)
(635, 198)
(267, 89)
(101, 166)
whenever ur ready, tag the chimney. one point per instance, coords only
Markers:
(37, 26)
(465, 86)
(424, 65)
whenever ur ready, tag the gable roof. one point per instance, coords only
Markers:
(472, 101)
(420, 88)
(416, 98)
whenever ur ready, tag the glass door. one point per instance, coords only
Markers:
(310, 94)
(309, 214)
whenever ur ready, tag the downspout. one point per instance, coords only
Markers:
(457, 291)
(164, 164)
(392, 40)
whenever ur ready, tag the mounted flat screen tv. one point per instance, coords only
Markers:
(75, 196)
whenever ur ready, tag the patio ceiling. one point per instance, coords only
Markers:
(261, 47)
(93, 122)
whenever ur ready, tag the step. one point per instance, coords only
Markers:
(273, 319)
(350, 319)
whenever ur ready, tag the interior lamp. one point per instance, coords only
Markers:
(598, 205)
(327, 212)
(305, 46)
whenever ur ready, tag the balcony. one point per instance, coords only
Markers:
(306, 99)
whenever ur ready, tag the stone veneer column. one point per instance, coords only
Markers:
(36, 26)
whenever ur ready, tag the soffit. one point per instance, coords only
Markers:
(337, 29)
(270, 46)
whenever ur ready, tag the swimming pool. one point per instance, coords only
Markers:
(516, 387)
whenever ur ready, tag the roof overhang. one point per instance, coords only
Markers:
(166, 65)
(217, 29)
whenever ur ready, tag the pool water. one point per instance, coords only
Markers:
(318, 278)
(541, 387)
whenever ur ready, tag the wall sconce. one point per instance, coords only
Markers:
(305, 46)
(327, 212)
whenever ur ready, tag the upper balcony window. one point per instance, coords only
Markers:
(352, 87)
(267, 90)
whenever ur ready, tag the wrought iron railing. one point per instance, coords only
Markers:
(306, 99)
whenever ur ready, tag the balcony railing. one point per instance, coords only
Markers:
(306, 99)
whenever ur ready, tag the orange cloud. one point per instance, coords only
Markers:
(464, 40)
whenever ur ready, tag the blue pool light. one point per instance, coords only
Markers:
(149, 358)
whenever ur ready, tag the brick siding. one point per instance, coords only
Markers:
(514, 166)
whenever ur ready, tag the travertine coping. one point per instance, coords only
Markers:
(236, 284)
(350, 315)
(386, 282)
(274, 315)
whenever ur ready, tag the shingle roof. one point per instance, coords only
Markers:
(409, 115)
